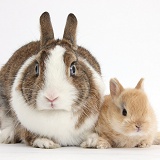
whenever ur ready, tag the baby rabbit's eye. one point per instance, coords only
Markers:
(124, 112)
(37, 69)
(72, 69)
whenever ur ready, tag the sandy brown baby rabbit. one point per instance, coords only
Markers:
(126, 118)
(51, 90)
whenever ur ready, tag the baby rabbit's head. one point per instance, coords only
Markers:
(131, 113)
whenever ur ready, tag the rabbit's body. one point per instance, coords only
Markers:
(51, 91)
(126, 118)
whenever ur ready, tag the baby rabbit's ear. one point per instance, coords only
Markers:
(46, 29)
(115, 88)
(70, 30)
(140, 84)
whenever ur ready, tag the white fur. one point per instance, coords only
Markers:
(56, 83)
(58, 123)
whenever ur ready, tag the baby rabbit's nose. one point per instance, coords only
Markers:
(138, 128)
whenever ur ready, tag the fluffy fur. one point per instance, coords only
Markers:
(51, 91)
(126, 118)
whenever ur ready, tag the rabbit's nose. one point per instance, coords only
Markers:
(138, 127)
(50, 99)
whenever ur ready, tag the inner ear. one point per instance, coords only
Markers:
(46, 29)
(70, 30)
(115, 88)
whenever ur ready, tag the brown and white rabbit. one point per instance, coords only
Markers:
(126, 118)
(51, 91)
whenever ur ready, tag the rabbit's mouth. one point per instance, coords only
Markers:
(52, 105)
(52, 101)
(138, 128)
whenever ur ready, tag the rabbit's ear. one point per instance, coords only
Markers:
(46, 29)
(140, 84)
(115, 88)
(70, 30)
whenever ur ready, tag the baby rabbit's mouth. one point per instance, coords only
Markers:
(138, 128)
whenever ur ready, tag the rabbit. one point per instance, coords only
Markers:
(126, 118)
(51, 91)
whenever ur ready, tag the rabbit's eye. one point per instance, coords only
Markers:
(37, 69)
(124, 112)
(72, 69)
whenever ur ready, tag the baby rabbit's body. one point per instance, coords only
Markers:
(51, 91)
(126, 118)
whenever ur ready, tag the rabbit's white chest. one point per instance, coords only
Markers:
(59, 125)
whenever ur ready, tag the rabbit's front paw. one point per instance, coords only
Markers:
(91, 141)
(7, 135)
(144, 144)
(45, 143)
(103, 144)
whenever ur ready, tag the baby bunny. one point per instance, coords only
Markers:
(126, 118)
(51, 91)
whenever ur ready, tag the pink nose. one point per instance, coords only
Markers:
(51, 100)
(138, 128)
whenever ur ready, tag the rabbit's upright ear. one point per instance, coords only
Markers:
(140, 84)
(70, 30)
(46, 29)
(115, 88)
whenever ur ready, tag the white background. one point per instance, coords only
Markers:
(124, 35)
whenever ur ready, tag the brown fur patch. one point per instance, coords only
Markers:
(89, 98)
(31, 83)
(28, 136)
(82, 52)
(9, 71)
